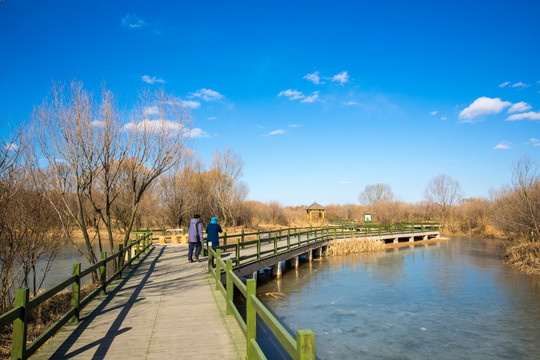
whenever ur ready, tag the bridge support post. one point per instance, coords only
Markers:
(277, 270)
(396, 240)
(296, 262)
(309, 255)
(425, 237)
(411, 239)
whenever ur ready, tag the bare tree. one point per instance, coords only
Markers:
(518, 206)
(158, 134)
(376, 194)
(443, 192)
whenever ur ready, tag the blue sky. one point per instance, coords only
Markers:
(319, 98)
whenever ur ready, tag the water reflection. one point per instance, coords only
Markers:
(452, 299)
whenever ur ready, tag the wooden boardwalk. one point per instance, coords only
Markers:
(167, 309)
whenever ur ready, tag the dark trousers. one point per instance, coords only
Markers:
(194, 246)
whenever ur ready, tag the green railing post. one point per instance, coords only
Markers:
(258, 247)
(129, 247)
(164, 232)
(136, 245)
(18, 342)
(225, 239)
(230, 286)
(289, 239)
(120, 260)
(342, 229)
(76, 292)
(237, 252)
(305, 344)
(218, 268)
(275, 244)
(308, 236)
(251, 317)
(280, 233)
(103, 273)
(210, 260)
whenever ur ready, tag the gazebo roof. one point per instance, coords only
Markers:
(315, 206)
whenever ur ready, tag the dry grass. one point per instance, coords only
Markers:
(524, 256)
(353, 246)
(41, 318)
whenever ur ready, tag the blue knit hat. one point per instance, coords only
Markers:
(214, 220)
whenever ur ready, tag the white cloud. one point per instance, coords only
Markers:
(212, 117)
(314, 77)
(207, 94)
(198, 133)
(520, 85)
(98, 123)
(132, 21)
(152, 80)
(433, 113)
(351, 103)
(190, 104)
(276, 132)
(531, 115)
(506, 83)
(311, 98)
(296, 126)
(534, 142)
(483, 106)
(11, 147)
(519, 107)
(444, 118)
(151, 110)
(292, 94)
(342, 77)
(153, 126)
(503, 145)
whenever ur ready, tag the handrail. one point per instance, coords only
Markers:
(301, 348)
(22, 305)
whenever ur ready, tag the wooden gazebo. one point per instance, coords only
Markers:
(316, 209)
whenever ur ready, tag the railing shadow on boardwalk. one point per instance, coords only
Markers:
(115, 329)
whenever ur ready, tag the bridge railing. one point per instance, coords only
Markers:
(301, 348)
(18, 316)
(284, 240)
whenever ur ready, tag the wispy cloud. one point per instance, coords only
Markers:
(352, 103)
(433, 113)
(504, 84)
(312, 98)
(207, 94)
(152, 80)
(531, 115)
(292, 94)
(191, 104)
(296, 126)
(519, 85)
(275, 132)
(212, 118)
(534, 142)
(342, 77)
(519, 107)
(11, 147)
(132, 21)
(503, 145)
(198, 133)
(444, 118)
(483, 106)
(313, 77)
(153, 126)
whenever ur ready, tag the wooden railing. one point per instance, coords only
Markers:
(301, 348)
(23, 304)
(284, 240)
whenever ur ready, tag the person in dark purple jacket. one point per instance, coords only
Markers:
(195, 234)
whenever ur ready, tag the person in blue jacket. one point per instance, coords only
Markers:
(195, 238)
(212, 230)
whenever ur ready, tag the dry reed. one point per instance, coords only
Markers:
(524, 256)
(353, 246)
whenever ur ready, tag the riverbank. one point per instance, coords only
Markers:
(524, 256)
